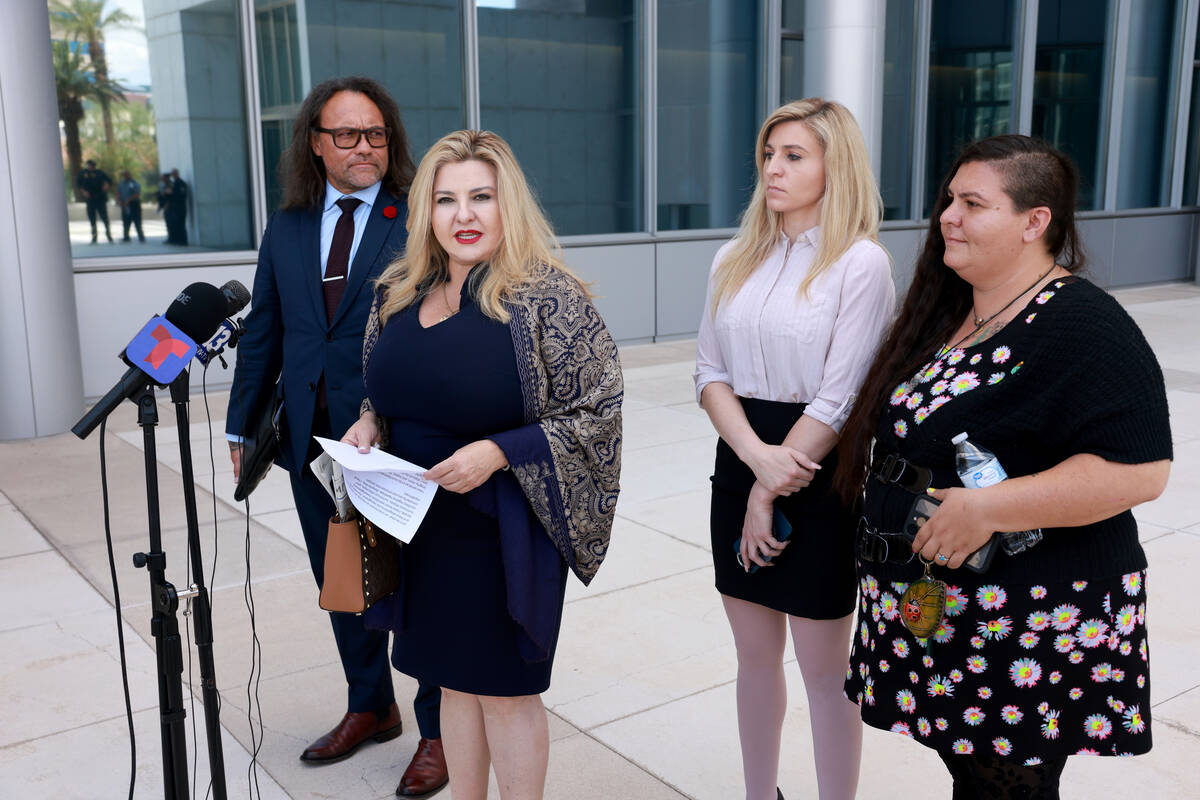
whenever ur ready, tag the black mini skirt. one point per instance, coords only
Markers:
(814, 577)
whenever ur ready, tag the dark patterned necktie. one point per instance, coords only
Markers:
(338, 264)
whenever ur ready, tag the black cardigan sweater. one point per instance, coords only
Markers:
(1071, 373)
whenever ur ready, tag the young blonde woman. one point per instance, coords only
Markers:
(486, 362)
(796, 305)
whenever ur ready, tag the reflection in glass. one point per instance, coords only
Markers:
(791, 70)
(559, 79)
(1147, 128)
(144, 96)
(708, 82)
(791, 51)
(1073, 44)
(412, 47)
(793, 15)
(970, 80)
(1191, 178)
(899, 90)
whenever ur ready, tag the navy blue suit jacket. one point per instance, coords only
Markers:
(287, 329)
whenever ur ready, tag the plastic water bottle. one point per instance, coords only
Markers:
(978, 467)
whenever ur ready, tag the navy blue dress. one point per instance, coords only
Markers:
(440, 388)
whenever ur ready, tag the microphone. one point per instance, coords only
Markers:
(229, 331)
(165, 345)
(200, 308)
(237, 297)
(227, 337)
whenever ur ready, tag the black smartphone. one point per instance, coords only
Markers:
(923, 508)
(781, 529)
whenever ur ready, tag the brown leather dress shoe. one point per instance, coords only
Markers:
(426, 773)
(354, 729)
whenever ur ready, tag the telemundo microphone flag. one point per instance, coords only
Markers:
(160, 350)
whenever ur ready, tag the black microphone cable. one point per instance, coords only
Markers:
(253, 703)
(212, 465)
(254, 679)
(195, 743)
(112, 569)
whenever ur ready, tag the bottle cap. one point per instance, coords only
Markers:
(962, 437)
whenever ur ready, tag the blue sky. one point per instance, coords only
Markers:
(128, 57)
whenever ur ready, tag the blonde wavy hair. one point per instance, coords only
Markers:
(851, 207)
(527, 249)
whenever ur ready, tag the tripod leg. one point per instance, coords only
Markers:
(163, 624)
(169, 649)
(201, 608)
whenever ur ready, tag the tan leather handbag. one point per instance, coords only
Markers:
(362, 566)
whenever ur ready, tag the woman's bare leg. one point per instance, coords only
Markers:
(518, 736)
(760, 635)
(823, 650)
(466, 745)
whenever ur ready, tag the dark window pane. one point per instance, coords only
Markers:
(899, 91)
(412, 47)
(1147, 127)
(791, 70)
(970, 80)
(708, 85)
(793, 15)
(559, 81)
(1191, 186)
(1072, 51)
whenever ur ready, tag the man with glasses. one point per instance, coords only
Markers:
(342, 220)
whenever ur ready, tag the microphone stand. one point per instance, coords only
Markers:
(201, 607)
(163, 624)
(164, 597)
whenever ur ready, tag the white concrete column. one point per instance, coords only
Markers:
(41, 377)
(843, 60)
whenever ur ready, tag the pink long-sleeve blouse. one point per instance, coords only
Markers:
(768, 342)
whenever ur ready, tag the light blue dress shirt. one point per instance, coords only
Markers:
(331, 214)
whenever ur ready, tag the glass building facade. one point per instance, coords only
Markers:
(638, 116)
(635, 120)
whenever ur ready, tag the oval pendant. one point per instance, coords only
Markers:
(923, 606)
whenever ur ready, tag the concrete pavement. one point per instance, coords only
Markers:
(642, 703)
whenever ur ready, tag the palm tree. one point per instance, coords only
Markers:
(86, 21)
(74, 83)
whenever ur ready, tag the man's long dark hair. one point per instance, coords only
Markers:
(302, 172)
(1034, 174)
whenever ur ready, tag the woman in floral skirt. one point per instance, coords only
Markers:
(1044, 654)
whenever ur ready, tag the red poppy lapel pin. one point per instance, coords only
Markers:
(389, 212)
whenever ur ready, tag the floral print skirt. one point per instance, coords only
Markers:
(1027, 672)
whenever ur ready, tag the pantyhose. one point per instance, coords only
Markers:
(821, 646)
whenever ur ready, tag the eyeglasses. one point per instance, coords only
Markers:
(347, 138)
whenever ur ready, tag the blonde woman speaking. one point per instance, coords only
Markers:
(486, 362)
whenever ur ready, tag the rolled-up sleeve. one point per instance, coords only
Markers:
(865, 307)
(710, 361)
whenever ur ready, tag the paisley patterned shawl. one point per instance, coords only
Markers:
(567, 458)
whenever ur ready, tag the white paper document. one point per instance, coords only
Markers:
(387, 490)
